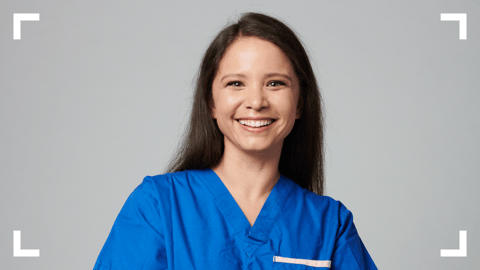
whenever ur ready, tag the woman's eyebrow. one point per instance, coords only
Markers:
(268, 75)
(241, 75)
(278, 74)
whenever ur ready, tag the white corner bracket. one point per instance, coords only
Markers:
(17, 22)
(461, 252)
(462, 22)
(17, 247)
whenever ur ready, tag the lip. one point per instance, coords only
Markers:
(256, 129)
(255, 118)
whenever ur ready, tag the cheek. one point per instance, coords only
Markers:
(231, 101)
(287, 106)
(226, 105)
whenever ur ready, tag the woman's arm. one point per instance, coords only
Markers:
(136, 240)
(350, 252)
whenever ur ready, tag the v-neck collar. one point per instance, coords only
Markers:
(251, 237)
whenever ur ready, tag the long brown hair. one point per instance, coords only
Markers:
(302, 155)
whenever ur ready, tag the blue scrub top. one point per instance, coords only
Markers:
(189, 220)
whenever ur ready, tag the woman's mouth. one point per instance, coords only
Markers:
(256, 123)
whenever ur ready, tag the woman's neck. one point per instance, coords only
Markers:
(250, 176)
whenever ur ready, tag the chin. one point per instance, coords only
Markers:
(255, 150)
(259, 148)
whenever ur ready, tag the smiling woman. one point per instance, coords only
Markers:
(245, 190)
(255, 97)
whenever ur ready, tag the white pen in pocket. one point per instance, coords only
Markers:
(313, 263)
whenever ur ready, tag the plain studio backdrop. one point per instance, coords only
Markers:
(96, 95)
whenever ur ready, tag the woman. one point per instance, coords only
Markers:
(239, 192)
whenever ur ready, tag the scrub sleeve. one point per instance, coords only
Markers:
(349, 251)
(134, 233)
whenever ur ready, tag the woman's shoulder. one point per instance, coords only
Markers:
(165, 178)
(315, 203)
(175, 177)
(162, 183)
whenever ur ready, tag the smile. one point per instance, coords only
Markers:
(256, 123)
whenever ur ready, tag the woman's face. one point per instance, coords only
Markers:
(255, 96)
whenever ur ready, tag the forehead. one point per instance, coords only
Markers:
(254, 55)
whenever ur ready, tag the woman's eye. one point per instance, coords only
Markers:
(235, 83)
(275, 83)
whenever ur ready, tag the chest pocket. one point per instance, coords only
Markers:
(297, 264)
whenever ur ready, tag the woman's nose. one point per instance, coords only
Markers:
(255, 98)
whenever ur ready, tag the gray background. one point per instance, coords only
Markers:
(96, 95)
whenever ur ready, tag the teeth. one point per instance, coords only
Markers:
(252, 123)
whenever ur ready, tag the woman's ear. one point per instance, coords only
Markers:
(299, 106)
(211, 105)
